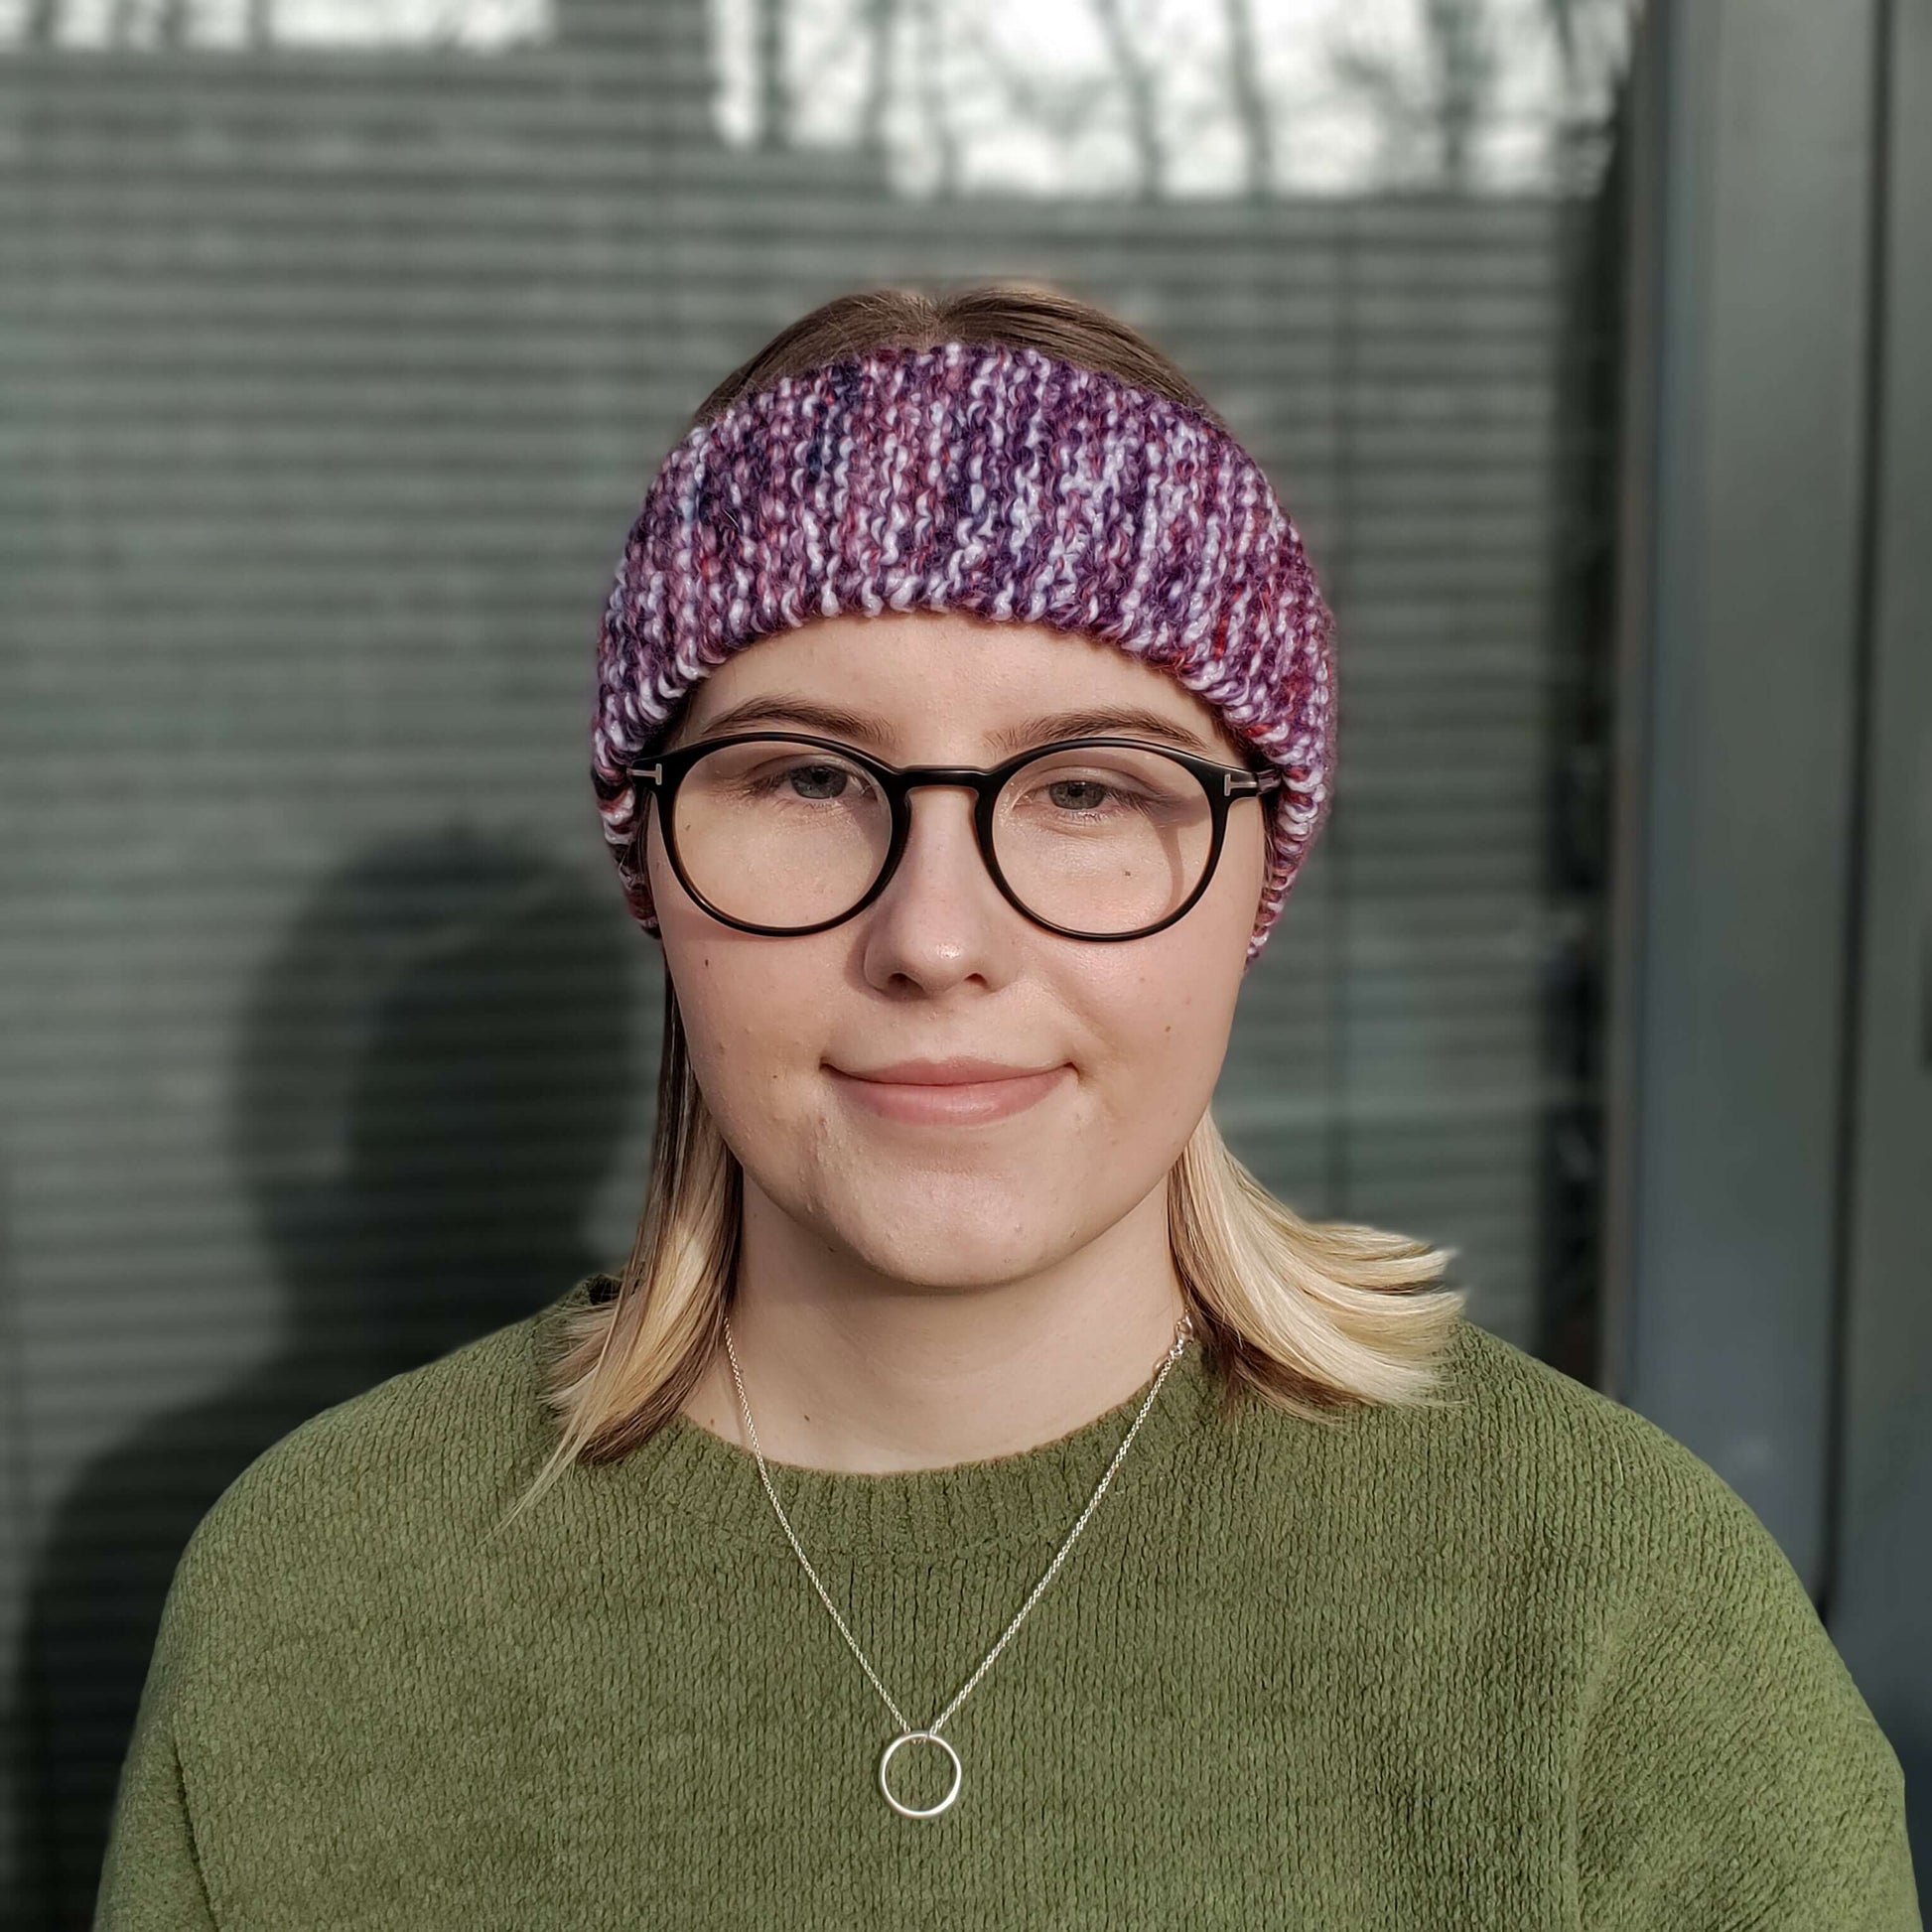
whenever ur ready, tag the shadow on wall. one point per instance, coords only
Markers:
(429, 1085)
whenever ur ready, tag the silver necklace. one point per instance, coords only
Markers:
(910, 1734)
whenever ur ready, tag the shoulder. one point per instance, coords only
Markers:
(1674, 1549)
(1713, 1716)
(1530, 1485)
(425, 1457)
(1531, 1438)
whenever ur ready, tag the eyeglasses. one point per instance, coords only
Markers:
(1092, 838)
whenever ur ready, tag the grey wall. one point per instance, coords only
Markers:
(1881, 1580)
(1769, 1198)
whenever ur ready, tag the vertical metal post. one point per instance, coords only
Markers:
(1740, 611)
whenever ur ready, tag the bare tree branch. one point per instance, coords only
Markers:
(930, 68)
(768, 62)
(878, 23)
(1137, 83)
(1251, 113)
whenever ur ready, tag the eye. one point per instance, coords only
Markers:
(1085, 796)
(1095, 787)
(818, 779)
(767, 775)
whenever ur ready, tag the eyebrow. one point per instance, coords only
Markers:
(855, 725)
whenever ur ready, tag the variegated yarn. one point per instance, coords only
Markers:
(979, 477)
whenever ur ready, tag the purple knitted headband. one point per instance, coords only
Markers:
(973, 477)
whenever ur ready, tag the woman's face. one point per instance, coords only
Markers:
(941, 965)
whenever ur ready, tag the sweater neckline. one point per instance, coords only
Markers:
(1010, 1499)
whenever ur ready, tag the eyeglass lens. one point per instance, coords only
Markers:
(1101, 840)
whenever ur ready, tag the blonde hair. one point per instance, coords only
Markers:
(1318, 1317)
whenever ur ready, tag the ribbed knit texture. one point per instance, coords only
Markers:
(976, 478)
(1528, 1664)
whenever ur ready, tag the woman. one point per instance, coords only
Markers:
(976, 1500)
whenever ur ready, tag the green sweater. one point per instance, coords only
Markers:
(1525, 1664)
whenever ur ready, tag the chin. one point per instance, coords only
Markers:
(975, 1245)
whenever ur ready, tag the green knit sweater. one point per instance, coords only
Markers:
(1525, 1664)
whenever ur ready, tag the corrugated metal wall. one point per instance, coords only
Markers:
(331, 382)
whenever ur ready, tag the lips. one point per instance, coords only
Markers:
(950, 1093)
(961, 1070)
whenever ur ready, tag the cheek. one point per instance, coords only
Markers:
(1244, 864)
(1173, 995)
(754, 1038)
(747, 1002)
(1165, 1019)
(750, 1015)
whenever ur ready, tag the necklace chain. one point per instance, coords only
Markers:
(930, 1733)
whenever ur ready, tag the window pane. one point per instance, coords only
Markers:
(339, 339)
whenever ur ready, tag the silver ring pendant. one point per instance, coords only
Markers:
(919, 1738)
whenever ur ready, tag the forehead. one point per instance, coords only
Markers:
(889, 682)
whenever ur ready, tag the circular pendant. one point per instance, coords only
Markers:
(919, 1738)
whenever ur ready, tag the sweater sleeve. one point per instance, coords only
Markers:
(151, 1876)
(1733, 1777)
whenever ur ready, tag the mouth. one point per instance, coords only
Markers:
(949, 1103)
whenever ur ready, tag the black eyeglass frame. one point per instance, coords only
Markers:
(1223, 783)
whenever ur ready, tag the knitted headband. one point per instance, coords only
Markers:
(979, 477)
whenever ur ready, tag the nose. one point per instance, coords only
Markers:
(942, 832)
(941, 915)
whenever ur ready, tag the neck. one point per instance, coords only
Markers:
(847, 1370)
